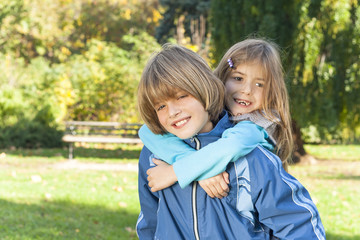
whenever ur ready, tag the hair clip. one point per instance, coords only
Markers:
(230, 62)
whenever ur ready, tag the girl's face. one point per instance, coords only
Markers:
(183, 115)
(245, 88)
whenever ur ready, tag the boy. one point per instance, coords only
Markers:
(179, 94)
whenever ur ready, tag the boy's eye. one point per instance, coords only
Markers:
(160, 107)
(183, 96)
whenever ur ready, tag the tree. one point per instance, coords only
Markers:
(58, 29)
(320, 39)
(73, 59)
(185, 19)
(325, 66)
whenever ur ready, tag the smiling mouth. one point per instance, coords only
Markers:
(181, 122)
(242, 102)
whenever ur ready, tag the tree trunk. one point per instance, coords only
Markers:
(300, 155)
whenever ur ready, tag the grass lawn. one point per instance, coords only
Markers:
(334, 186)
(40, 201)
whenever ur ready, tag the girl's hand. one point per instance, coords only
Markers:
(216, 186)
(161, 176)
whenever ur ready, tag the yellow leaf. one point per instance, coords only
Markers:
(36, 178)
(118, 189)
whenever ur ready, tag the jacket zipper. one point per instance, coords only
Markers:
(194, 208)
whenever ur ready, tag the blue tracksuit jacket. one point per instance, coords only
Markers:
(264, 202)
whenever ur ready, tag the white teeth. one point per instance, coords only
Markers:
(180, 123)
(243, 103)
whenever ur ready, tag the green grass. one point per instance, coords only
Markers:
(38, 201)
(335, 152)
(333, 183)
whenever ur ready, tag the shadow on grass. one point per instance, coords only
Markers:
(344, 177)
(64, 220)
(331, 236)
(336, 176)
(68, 220)
(122, 152)
(119, 153)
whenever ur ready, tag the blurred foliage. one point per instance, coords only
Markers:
(321, 55)
(102, 82)
(185, 22)
(70, 60)
(82, 59)
(56, 29)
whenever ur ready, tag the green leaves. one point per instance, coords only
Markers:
(321, 42)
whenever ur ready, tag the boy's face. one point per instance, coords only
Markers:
(244, 89)
(183, 115)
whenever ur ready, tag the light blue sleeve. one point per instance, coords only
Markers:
(213, 158)
(209, 160)
(167, 147)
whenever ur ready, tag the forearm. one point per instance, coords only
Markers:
(212, 159)
(167, 147)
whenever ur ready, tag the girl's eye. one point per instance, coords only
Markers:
(238, 78)
(259, 84)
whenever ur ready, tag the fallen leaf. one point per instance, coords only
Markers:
(36, 178)
(48, 196)
(118, 188)
(129, 229)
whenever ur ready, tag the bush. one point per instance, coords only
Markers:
(30, 134)
(41, 131)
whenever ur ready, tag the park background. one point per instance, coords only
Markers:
(82, 60)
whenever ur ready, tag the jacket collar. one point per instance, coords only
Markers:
(223, 124)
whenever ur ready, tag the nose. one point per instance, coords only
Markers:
(174, 110)
(246, 88)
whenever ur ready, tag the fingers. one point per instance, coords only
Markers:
(224, 186)
(226, 177)
(216, 186)
(209, 192)
(158, 162)
(213, 189)
(152, 186)
(222, 189)
(216, 191)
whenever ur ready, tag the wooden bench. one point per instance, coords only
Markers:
(100, 132)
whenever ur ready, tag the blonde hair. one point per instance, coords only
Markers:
(177, 68)
(266, 54)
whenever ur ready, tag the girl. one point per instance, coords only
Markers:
(257, 100)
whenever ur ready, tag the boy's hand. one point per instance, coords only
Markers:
(161, 176)
(216, 186)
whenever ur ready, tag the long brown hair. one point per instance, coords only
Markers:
(275, 100)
